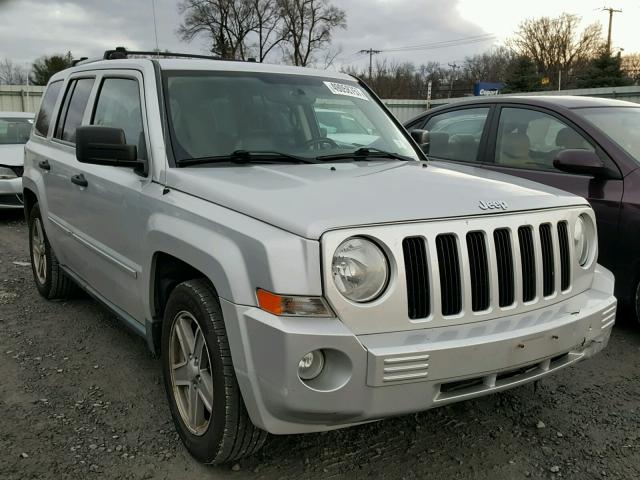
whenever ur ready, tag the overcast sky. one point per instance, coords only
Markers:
(31, 28)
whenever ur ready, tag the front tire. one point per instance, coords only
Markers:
(200, 382)
(48, 276)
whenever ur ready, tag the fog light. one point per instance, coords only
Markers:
(311, 365)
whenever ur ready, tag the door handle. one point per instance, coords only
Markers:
(79, 180)
(44, 165)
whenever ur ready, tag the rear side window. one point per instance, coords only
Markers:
(75, 103)
(456, 135)
(118, 106)
(46, 108)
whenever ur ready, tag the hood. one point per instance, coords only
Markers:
(12, 155)
(308, 200)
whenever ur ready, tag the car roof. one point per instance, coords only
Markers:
(547, 100)
(16, 114)
(203, 65)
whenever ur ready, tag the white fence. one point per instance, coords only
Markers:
(22, 98)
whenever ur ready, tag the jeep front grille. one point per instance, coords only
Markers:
(565, 259)
(479, 265)
(528, 262)
(417, 272)
(479, 269)
(449, 265)
(504, 258)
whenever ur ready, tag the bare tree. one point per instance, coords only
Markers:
(227, 24)
(309, 25)
(12, 74)
(489, 66)
(631, 66)
(268, 27)
(557, 44)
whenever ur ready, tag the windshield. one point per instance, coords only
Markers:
(213, 114)
(14, 131)
(622, 124)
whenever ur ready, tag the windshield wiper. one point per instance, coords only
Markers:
(246, 156)
(363, 153)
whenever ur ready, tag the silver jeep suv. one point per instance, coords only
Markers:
(299, 271)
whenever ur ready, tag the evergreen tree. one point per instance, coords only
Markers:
(605, 70)
(45, 67)
(521, 76)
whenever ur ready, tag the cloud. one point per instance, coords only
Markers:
(32, 28)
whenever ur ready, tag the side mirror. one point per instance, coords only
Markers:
(583, 162)
(421, 137)
(106, 146)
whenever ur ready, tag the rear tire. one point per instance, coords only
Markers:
(200, 382)
(50, 280)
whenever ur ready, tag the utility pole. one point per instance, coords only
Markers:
(611, 12)
(454, 67)
(371, 53)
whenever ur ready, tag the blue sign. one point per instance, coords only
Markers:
(481, 89)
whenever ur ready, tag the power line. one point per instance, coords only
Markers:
(444, 44)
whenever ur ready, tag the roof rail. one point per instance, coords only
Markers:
(121, 53)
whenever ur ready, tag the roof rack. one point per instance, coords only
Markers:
(121, 53)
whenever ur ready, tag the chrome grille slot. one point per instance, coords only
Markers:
(479, 269)
(548, 264)
(565, 259)
(417, 273)
(528, 262)
(504, 258)
(449, 268)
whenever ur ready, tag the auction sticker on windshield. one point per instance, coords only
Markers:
(348, 90)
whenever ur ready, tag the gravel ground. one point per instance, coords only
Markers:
(81, 397)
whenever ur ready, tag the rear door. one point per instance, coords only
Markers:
(61, 161)
(524, 140)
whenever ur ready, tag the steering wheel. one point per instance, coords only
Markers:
(316, 143)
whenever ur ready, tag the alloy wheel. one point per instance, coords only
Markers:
(191, 377)
(38, 251)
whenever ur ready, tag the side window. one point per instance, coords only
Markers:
(118, 105)
(531, 139)
(46, 108)
(75, 103)
(456, 135)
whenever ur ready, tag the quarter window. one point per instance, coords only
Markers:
(74, 107)
(46, 108)
(532, 139)
(119, 106)
(456, 135)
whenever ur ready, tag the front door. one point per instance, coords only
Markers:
(108, 218)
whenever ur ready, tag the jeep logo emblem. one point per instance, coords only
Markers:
(492, 205)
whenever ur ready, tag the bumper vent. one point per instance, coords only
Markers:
(504, 258)
(417, 271)
(479, 269)
(548, 264)
(565, 260)
(528, 261)
(449, 268)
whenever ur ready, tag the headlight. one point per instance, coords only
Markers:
(6, 173)
(360, 270)
(583, 239)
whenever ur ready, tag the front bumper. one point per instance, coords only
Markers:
(369, 377)
(11, 193)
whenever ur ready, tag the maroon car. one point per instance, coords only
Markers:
(587, 146)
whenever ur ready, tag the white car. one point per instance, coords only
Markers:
(15, 128)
